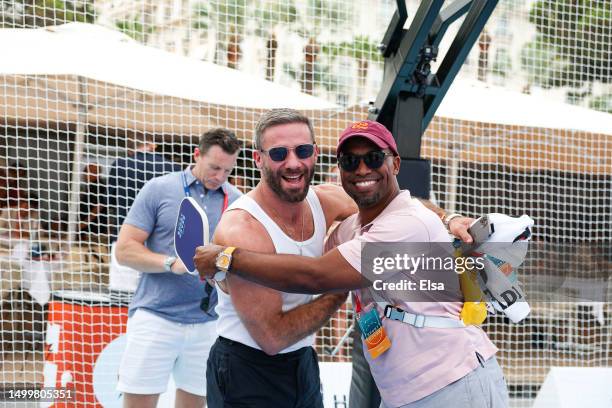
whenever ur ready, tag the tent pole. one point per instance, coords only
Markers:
(79, 141)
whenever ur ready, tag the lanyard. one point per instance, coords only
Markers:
(188, 193)
(356, 302)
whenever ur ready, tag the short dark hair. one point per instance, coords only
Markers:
(276, 117)
(224, 138)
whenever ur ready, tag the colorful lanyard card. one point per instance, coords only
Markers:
(372, 330)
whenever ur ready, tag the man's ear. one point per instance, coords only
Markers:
(397, 161)
(257, 158)
(316, 152)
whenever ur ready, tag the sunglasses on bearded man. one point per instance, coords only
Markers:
(279, 154)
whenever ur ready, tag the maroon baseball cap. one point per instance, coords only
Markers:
(372, 131)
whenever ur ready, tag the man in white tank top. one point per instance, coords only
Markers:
(264, 356)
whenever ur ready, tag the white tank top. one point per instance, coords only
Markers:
(229, 324)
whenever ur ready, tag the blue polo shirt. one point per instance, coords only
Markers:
(127, 176)
(173, 297)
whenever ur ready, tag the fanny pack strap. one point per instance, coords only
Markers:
(416, 320)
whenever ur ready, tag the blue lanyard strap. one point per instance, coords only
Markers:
(185, 186)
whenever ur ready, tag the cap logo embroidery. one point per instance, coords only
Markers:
(360, 125)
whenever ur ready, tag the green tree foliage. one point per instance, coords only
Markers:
(324, 15)
(201, 16)
(321, 17)
(224, 15)
(42, 13)
(135, 29)
(572, 45)
(602, 103)
(321, 76)
(269, 13)
(362, 49)
(542, 63)
(502, 64)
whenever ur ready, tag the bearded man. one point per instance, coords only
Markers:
(263, 356)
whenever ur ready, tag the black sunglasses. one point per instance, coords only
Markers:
(373, 159)
(279, 154)
(205, 303)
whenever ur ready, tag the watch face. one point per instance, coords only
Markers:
(223, 261)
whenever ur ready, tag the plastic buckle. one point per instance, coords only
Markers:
(394, 313)
(388, 309)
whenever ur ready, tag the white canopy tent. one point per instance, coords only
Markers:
(478, 102)
(108, 56)
(537, 132)
(90, 75)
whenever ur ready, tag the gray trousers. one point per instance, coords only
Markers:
(364, 393)
(484, 387)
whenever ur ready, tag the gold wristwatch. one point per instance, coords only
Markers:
(224, 259)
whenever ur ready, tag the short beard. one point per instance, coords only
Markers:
(274, 181)
(365, 202)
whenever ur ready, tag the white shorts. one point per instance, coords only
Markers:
(157, 347)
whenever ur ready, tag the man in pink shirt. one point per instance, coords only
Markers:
(434, 360)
